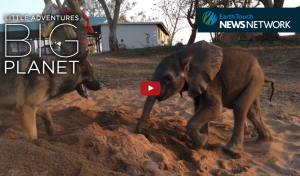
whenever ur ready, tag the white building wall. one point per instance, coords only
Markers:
(133, 35)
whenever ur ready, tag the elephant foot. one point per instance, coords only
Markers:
(233, 149)
(50, 130)
(265, 137)
(199, 140)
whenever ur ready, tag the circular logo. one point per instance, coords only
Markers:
(209, 18)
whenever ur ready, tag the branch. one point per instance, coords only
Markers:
(267, 3)
(190, 22)
(190, 11)
(116, 12)
(278, 3)
(258, 3)
(178, 29)
(106, 11)
(245, 4)
(234, 3)
(58, 3)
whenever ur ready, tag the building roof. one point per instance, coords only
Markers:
(94, 21)
(158, 23)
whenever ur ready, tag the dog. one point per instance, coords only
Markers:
(27, 86)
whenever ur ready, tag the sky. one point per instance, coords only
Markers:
(23, 7)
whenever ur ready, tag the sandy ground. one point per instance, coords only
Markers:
(96, 136)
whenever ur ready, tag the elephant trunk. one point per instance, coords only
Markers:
(146, 111)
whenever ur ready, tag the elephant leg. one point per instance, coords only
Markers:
(203, 129)
(240, 109)
(196, 103)
(197, 126)
(46, 116)
(264, 134)
(235, 145)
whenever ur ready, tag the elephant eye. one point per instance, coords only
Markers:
(169, 78)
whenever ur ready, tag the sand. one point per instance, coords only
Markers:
(96, 136)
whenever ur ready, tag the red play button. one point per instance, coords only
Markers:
(150, 88)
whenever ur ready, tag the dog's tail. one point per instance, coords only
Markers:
(272, 81)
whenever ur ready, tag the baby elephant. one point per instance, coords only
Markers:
(214, 77)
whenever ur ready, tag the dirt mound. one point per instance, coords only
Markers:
(92, 142)
(104, 144)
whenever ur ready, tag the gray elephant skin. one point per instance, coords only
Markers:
(214, 77)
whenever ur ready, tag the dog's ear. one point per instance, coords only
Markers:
(202, 62)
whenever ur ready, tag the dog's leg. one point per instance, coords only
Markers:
(46, 116)
(27, 118)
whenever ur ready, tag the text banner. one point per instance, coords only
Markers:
(248, 20)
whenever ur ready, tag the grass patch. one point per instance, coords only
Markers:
(283, 42)
(127, 68)
(147, 51)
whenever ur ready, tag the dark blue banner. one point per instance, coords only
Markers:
(248, 20)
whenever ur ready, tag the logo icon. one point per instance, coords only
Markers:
(209, 18)
(150, 88)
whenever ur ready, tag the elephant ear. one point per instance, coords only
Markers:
(201, 62)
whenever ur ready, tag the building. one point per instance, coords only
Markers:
(136, 34)
(129, 35)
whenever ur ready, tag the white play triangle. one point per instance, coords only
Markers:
(150, 88)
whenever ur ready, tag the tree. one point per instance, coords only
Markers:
(193, 14)
(217, 4)
(142, 17)
(246, 3)
(123, 6)
(269, 4)
(173, 13)
(226, 4)
(98, 11)
(112, 23)
(67, 32)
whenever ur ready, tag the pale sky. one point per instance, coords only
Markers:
(35, 7)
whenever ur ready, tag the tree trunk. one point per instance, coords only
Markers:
(112, 22)
(193, 36)
(195, 25)
(113, 41)
(65, 32)
(212, 39)
(81, 31)
(278, 3)
(268, 4)
(171, 38)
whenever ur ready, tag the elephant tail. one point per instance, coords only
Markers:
(272, 81)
